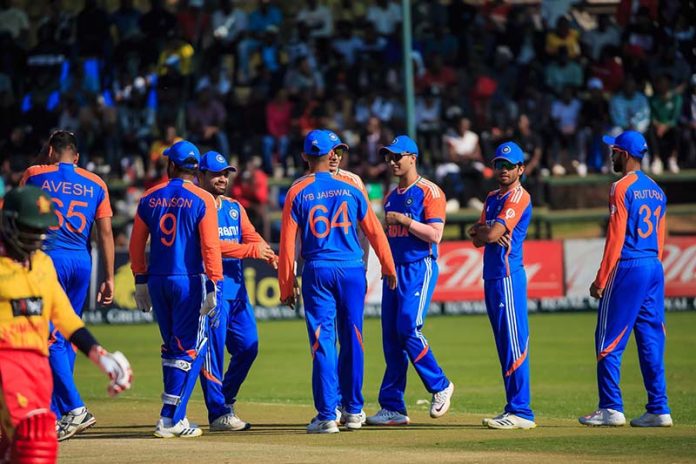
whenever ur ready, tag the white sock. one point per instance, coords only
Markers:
(166, 421)
(78, 411)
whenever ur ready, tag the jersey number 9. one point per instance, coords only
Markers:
(167, 225)
(340, 219)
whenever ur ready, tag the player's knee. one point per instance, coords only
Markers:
(249, 350)
(35, 439)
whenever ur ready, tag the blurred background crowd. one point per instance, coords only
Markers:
(250, 78)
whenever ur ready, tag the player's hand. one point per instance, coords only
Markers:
(596, 292)
(105, 296)
(290, 301)
(210, 301)
(392, 281)
(393, 219)
(273, 261)
(504, 240)
(116, 366)
(142, 298)
(473, 230)
(264, 251)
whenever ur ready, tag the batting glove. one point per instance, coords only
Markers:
(116, 366)
(210, 301)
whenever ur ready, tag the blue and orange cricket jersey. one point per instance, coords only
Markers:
(325, 211)
(422, 201)
(513, 210)
(79, 196)
(637, 208)
(181, 220)
(238, 239)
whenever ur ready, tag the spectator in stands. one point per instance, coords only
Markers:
(531, 144)
(317, 18)
(347, 10)
(668, 63)
(14, 21)
(428, 113)
(265, 16)
(665, 108)
(605, 34)
(385, 16)
(46, 61)
(372, 168)
(563, 37)
(92, 27)
(629, 109)
(461, 172)
(609, 69)
(346, 43)
(594, 123)
(194, 22)
(437, 74)
(62, 21)
(250, 188)
(156, 24)
(229, 24)
(688, 124)
(301, 78)
(167, 137)
(277, 138)
(206, 119)
(563, 72)
(126, 20)
(565, 113)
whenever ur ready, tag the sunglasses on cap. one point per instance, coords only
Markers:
(395, 157)
(340, 151)
(501, 164)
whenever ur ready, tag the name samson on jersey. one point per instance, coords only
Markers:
(174, 202)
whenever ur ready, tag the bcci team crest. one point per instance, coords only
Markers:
(333, 136)
(506, 149)
(409, 201)
(220, 158)
(233, 214)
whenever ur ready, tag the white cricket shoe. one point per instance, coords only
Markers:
(71, 424)
(604, 417)
(441, 402)
(322, 426)
(488, 419)
(507, 421)
(182, 429)
(352, 421)
(387, 417)
(652, 420)
(657, 167)
(229, 423)
(673, 166)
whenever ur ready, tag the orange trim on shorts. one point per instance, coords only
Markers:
(315, 345)
(358, 335)
(210, 376)
(612, 346)
(422, 354)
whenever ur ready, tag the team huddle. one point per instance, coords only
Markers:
(192, 278)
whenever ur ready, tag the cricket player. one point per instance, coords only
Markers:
(81, 199)
(326, 212)
(415, 216)
(630, 285)
(502, 230)
(180, 281)
(30, 299)
(235, 324)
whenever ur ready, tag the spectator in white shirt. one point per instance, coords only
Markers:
(318, 18)
(606, 33)
(385, 15)
(565, 112)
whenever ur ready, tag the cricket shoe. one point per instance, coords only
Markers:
(441, 402)
(604, 417)
(229, 423)
(72, 424)
(507, 421)
(488, 419)
(322, 426)
(182, 429)
(352, 421)
(652, 420)
(387, 417)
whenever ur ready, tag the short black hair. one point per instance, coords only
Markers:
(62, 140)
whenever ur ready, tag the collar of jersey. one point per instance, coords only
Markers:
(405, 189)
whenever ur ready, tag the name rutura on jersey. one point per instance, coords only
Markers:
(648, 193)
(174, 202)
(231, 231)
(326, 194)
(68, 188)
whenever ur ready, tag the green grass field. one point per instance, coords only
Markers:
(276, 399)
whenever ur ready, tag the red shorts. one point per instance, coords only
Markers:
(25, 386)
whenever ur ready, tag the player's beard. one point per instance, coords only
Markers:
(617, 164)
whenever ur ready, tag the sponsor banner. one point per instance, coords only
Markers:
(582, 259)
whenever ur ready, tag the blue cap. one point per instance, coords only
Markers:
(631, 141)
(214, 162)
(509, 151)
(318, 143)
(335, 140)
(182, 151)
(401, 144)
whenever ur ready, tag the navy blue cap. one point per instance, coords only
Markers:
(181, 153)
(509, 151)
(401, 144)
(214, 162)
(630, 141)
(335, 140)
(318, 143)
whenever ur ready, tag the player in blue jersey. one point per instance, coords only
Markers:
(630, 285)
(181, 279)
(81, 199)
(502, 230)
(234, 326)
(415, 216)
(326, 212)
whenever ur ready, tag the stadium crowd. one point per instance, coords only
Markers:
(250, 79)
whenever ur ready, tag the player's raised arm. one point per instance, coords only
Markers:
(616, 232)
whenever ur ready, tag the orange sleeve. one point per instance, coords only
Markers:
(616, 232)
(514, 207)
(25, 176)
(249, 234)
(434, 203)
(34, 170)
(286, 263)
(210, 240)
(104, 208)
(661, 234)
(374, 232)
(232, 249)
(136, 247)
